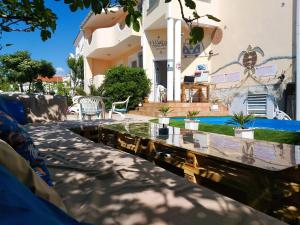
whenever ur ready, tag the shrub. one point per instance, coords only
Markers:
(80, 91)
(38, 87)
(69, 100)
(95, 91)
(192, 114)
(165, 110)
(121, 82)
(241, 120)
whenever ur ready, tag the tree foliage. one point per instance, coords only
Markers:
(77, 71)
(38, 86)
(27, 16)
(121, 82)
(20, 68)
(31, 15)
(6, 85)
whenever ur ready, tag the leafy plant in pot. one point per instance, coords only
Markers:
(241, 130)
(189, 123)
(163, 119)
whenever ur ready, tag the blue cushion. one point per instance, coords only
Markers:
(19, 205)
(19, 139)
(120, 110)
(14, 108)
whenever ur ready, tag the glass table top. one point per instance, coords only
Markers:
(262, 154)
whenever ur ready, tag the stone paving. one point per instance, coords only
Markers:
(103, 185)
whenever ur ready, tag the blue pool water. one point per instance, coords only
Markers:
(285, 125)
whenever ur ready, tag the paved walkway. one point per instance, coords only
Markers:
(103, 185)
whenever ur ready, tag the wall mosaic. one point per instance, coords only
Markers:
(192, 50)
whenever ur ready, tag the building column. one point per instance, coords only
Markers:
(298, 62)
(87, 74)
(177, 60)
(170, 57)
(148, 64)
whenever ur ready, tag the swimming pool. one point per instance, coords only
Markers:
(284, 125)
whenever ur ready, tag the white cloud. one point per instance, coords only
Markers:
(60, 71)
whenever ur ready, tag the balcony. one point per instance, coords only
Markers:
(105, 40)
(154, 14)
(157, 11)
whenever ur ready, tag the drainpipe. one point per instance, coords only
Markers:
(298, 61)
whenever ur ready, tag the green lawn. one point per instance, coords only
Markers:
(259, 134)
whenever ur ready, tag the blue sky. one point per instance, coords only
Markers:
(56, 49)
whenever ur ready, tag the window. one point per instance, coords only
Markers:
(134, 63)
(152, 5)
(140, 59)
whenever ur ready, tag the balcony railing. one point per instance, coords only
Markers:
(111, 36)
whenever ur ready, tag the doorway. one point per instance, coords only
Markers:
(160, 79)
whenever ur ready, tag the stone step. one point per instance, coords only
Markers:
(199, 108)
(176, 104)
(179, 109)
(181, 114)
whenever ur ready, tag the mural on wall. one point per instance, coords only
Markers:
(268, 78)
(249, 62)
(250, 58)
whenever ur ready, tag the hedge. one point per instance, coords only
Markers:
(121, 82)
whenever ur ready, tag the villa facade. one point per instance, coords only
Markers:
(246, 60)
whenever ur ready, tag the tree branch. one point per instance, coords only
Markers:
(189, 21)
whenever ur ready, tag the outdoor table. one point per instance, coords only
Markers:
(261, 174)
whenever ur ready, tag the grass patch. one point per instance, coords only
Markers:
(259, 134)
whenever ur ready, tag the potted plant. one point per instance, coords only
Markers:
(189, 122)
(241, 120)
(214, 107)
(163, 119)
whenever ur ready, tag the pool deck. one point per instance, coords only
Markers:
(103, 185)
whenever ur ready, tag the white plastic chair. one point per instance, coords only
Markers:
(161, 92)
(91, 105)
(280, 115)
(120, 111)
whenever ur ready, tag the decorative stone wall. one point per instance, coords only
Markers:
(42, 108)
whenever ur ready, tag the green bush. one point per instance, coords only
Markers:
(38, 87)
(80, 91)
(6, 85)
(121, 82)
(69, 100)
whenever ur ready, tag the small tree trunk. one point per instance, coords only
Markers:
(21, 87)
(29, 87)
